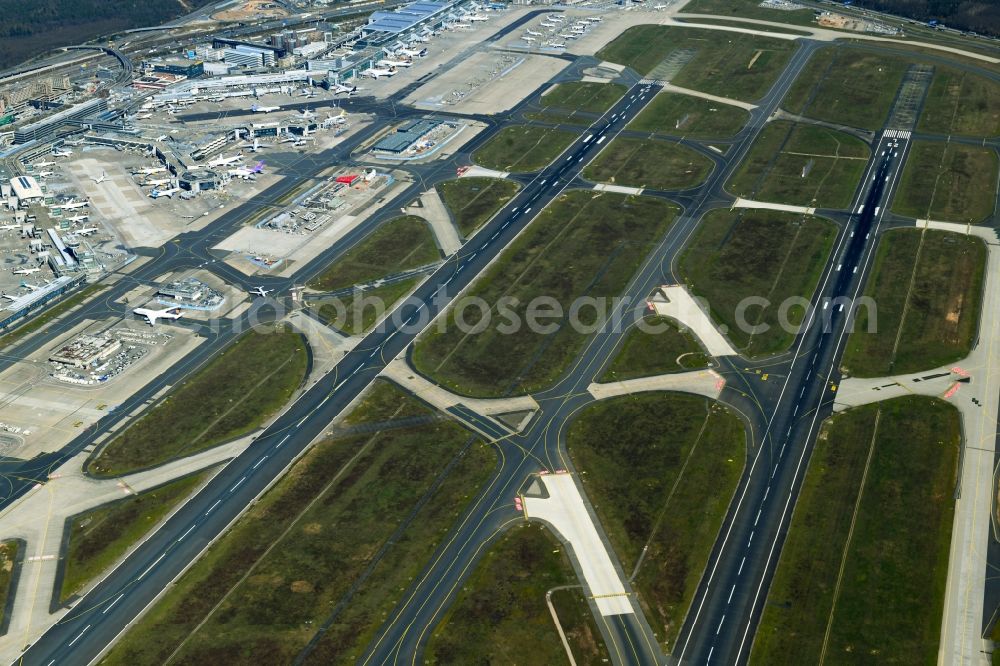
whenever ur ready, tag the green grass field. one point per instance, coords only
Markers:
(648, 163)
(523, 148)
(683, 115)
(833, 164)
(8, 558)
(757, 254)
(99, 537)
(750, 9)
(734, 65)
(894, 557)
(583, 244)
(663, 489)
(401, 243)
(264, 590)
(357, 313)
(657, 350)
(232, 395)
(927, 287)
(948, 181)
(500, 616)
(847, 86)
(578, 102)
(473, 201)
(963, 103)
(736, 23)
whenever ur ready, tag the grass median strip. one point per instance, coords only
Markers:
(962, 103)
(583, 244)
(400, 244)
(738, 258)
(501, 617)
(32, 324)
(927, 290)
(472, 201)
(325, 554)
(802, 165)
(648, 163)
(523, 148)
(848, 86)
(565, 102)
(231, 396)
(660, 492)
(951, 182)
(357, 312)
(862, 572)
(657, 348)
(734, 65)
(97, 538)
(694, 117)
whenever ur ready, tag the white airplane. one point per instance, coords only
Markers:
(61, 152)
(528, 39)
(567, 36)
(26, 271)
(306, 114)
(86, 231)
(260, 291)
(531, 32)
(225, 161)
(44, 163)
(477, 17)
(155, 182)
(143, 116)
(256, 108)
(557, 45)
(45, 174)
(72, 203)
(410, 53)
(461, 25)
(247, 172)
(152, 315)
(168, 192)
(77, 218)
(376, 73)
(557, 19)
(339, 88)
(548, 25)
(394, 63)
(149, 171)
(256, 147)
(101, 179)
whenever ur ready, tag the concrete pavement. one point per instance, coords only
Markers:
(749, 203)
(676, 302)
(700, 382)
(432, 209)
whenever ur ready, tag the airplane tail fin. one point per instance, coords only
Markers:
(258, 167)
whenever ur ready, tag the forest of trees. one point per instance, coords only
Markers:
(31, 27)
(982, 16)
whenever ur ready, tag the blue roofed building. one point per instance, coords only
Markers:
(383, 26)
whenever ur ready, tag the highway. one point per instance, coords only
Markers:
(102, 614)
(727, 606)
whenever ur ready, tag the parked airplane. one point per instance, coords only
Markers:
(152, 315)
(148, 171)
(557, 45)
(376, 73)
(100, 179)
(225, 161)
(306, 114)
(260, 291)
(528, 39)
(71, 204)
(548, 25)
(26, 271)
(44, 163)
(168, 192)
(533, 33)
(247, 172)
(256, 108)
(155, 182)
(61, 152)
(143, 116)
(77, 218)
(86, 231)
(394, 63)
(477, 17)
(45, 174)
(557, 19)
(339, 88)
